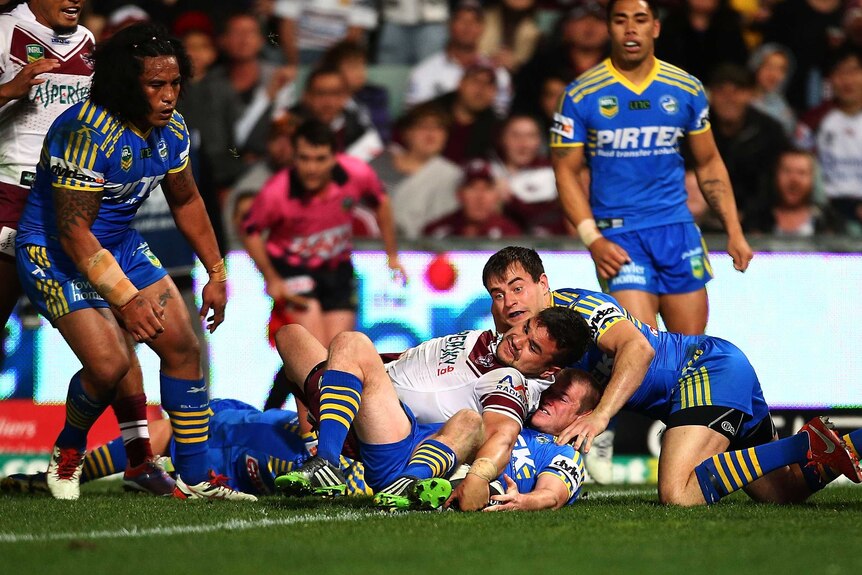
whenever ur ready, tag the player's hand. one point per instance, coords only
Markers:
(214, 299)
(740, 251)
(512, 500)
(20, 85)
(472, 494)
(583, 431)
(609, 257)
(143, 318)
(398, 272)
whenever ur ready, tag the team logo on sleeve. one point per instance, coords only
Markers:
(35, 52)
(163, 149)
(564, 126)
(126, 158)
(609, 106)
(669, 105)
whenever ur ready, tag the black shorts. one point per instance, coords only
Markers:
(726, 421)
(334, 287)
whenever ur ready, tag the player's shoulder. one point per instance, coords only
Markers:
(591, 81)
(675, 76)
(88, 119)
(534, 437)
(569, 297)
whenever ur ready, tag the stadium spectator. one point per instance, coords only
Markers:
(480, 212)
(794, 212)
(308, 28)
(412, 30)
(527, 179)
(419, 181)
(369, 100)
(511, 33)
(552, 90)
(647, 250)
(260, 90)
(772, 66)
(326, 98)
(441, 73)
(749, 140)
(835, 131)
(852, 24)
(809, 29)
(579, 42)
(73, 218)
(690, 35)
(306, 212)
(474, 123)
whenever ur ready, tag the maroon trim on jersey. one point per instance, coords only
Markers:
(482, 358)
(504, 404)
(75, 63)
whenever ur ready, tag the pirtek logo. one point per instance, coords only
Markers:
(74, 173)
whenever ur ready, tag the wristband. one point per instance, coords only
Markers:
(107, 277)
(484, 468)
(589, 231)
(218, 272)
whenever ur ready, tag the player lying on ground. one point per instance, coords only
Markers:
(539, 474)
(436, 379)
(248, 448)
(720, 436)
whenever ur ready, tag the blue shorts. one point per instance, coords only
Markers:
(384, 463)
(55, 287)
(719, 374)
(669, 259)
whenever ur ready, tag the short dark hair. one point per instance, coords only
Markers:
(570, 332)
(315, 133)
(592, 396)
(499, 263)
(343, 51)
(321, 71)
(841, 54)
(119, 62)
(653, 7)
(734, 74)
(420, 112)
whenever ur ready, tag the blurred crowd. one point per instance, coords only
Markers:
(450, 102)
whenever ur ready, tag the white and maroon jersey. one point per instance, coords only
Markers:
(839, 147)
(441, 376)
(24, 122)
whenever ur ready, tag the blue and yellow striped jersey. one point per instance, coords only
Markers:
(631, 135)
(89, 150)
(672, 351)
(536, 454)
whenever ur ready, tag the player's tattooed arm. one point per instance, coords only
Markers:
(714, 191)
(561, 153)
(76, 211)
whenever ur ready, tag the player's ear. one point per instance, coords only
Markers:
(543, 281)
(550, 372)
(656, 30)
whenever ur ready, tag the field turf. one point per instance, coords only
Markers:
(614, 530)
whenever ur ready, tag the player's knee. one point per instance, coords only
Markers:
(350, 347)
(287, 336)
(679, 494)
(185, 351)
(105, 374)
(468, 420)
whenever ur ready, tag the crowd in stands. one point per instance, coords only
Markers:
(450, 101)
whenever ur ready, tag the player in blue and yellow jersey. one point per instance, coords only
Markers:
(95, 278)
(248, 446)
(719, 435)
(626, 118)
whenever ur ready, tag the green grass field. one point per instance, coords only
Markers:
(614, 530)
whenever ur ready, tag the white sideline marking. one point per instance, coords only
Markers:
(620, 493)
(232, 525)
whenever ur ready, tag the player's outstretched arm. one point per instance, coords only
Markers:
(550, 493)
(608, 256)
(187, 208)
(715, 184)
(632, 355)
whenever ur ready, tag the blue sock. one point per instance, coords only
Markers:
(82, 411)
(727, 472)
(431, 459)
(187, 403)
(854, 441)
(340, 396)
(104, 460)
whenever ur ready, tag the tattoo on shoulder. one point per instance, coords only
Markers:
(75, 208)
(180, 185)
(561, 152)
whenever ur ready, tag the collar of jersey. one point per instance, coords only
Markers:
(636, 88)
(132, 128)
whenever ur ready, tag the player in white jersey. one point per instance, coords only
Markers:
(488, 379)
(45, 68)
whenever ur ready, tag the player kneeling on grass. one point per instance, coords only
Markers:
(428, 384)
(247, 448)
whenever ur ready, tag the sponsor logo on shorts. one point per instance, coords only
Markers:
(35, 52)
(7, 241)
(669, 105)
(728, 427)
(564, 126)
(82, 290)
(609, 106)
(126, 158)
(630, 274)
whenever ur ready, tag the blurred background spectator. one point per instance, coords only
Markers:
(419, 180)
(511, 33)
(772, 65)
(480, 208)
(411, 30)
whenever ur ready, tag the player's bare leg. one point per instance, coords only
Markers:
(640, 304)
(682, 449)
(311, 318)
(300, 351)
(336, 322)
(685, 313)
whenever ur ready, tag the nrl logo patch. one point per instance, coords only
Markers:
(126, 158)
(609, 106)
(35, 52)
